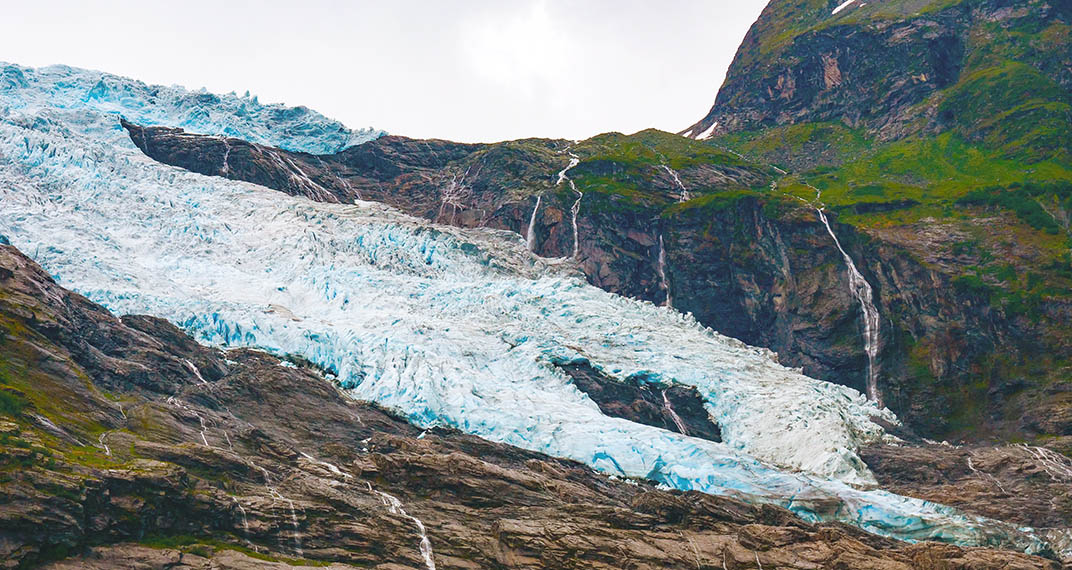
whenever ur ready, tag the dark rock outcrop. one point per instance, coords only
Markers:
(1030, 486)
(676, 408)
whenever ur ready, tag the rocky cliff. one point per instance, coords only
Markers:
(901, 68)
(938, 131)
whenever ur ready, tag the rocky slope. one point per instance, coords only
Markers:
(126, 444)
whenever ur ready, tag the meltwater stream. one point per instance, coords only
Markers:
(455, 327)
(576, 208)
(530, 234)
(861, 289)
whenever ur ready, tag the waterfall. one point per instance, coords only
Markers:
(193, 368)
(245, 523)
(574, 161)
(663, 281)
(684, 197)
(673, 415)
(297, 527)
(330, 467)
(576, 208)
(395, 507)
(530, 235)
(277, 496)
(1057, 466)
(226, 168)
(861, 289)
(455, 196)
(296, 175)
(173, 401)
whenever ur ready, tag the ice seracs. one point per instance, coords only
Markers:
(69, 90)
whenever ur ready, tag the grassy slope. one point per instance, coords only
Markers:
(619, 172)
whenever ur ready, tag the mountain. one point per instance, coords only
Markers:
(993, 72)
(939, 155)
(545, 311)
(937, 131)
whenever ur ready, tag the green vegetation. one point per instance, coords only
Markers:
(1014, 109)
(625, 173)
(1026, 200)
(206, 546)
(650, 148)
(785, 20)
(709, 203)
(11, 403)
(800, 146)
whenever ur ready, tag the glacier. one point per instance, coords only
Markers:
(70, 92)
(454, 327)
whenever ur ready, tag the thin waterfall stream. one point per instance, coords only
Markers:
(576, 208)
(673, 415)
(530, 234)
(861, 289)
(664, 283)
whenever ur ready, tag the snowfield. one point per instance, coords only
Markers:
(451, 327)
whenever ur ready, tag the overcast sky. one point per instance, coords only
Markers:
(460, 70)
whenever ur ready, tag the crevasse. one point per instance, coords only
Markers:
(449, 326)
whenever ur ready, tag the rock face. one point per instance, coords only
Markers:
(1028, 485)
(677, 408)
(126, 444)
(871, 66)
(495, 186)
(770, 277)
(864, 104)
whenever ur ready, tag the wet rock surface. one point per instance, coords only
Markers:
(126, 444)
(676, 408)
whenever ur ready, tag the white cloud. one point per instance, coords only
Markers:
(522, 49)
(465, 70)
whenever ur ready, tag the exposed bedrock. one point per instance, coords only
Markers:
(872, 67)
(676, 408)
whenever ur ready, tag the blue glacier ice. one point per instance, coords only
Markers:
(69, 92)
(450, 326)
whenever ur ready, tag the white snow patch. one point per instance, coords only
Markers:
(842, 6)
